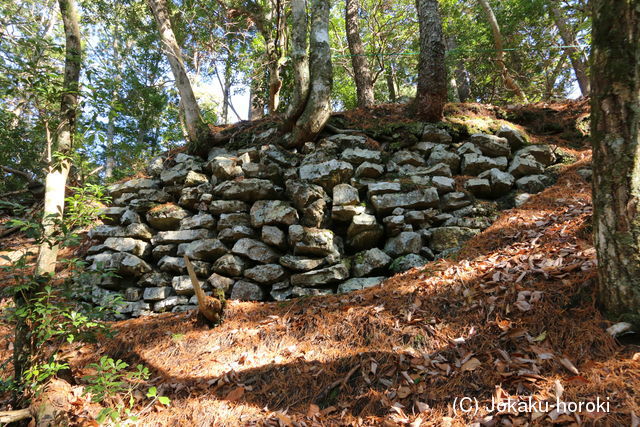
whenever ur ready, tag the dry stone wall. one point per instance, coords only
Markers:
(269, 224)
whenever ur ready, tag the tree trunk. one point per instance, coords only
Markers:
(58, 171)
(615, 115)
(361, 72)
(431, 94)
(461, 75)
(226, 95)
(578, 63)
(318, 108)
(509, 82)
(391, 85)
(256, 108)
(300, 59)
(198, 131)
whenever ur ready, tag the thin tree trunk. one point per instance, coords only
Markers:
(57, 173)
(509, 82)
(300, 59)
(197, 130)
(461, 75)
(615, 119)
(578, 63)
(391, 84)
(226, 91)
(56, 179)
(362, 74)
(256, 108)
(431, 94)
(318, 108)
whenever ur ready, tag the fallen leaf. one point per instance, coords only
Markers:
(471, 365)
(235, 394)
(313, 410)
(404, 392)
(568, 365)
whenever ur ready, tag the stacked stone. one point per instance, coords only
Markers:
(265, 223)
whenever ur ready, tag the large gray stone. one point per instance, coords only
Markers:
(126, 264)
(247, 190)
(364, 232)
(205, 249)
(345, 194)
(446, 157)
(501, 182)
(218, 207)
(193, 179)
(272, 212)
(432, 133)
(157, 293)
(265, 274)
(418, 199)
(224, 167)
(406, 157)
(132, 186)
(102, 232)
(177, 265)
(357, 284)
(368, 262)
(183, 285)
(443, 184)
(491, 145)
(310, 199)
(244, 290)
(542, 153)
(273, 236)
(369, 170)
(255, 250)
(231, 265)
(217, 281)
(530, 184)
(347, 212)
(127, 244)
(201, 220)
(300, 263)
(312, 241)
(180, 236)
(515, 138)
(168, 304)
(327, 174)
(324, 276)
(227, 220)
(525, 165)
(235, 233)
(407, 262)
(166, 217)
(406, 242)
(380, 188)
(139, 231)
(479, 187)
(357, 156)
(474, 164)
(154, 278)
(456, 200)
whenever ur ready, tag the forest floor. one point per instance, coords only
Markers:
(512, 315)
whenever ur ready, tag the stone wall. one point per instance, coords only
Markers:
(269, 224)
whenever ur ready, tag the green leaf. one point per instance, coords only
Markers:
(152, 392)
(164, 400)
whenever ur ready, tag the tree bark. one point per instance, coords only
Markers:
(318, 107)
(300, 60)
(431, 94)
(361, 72)
(509, 82)
(198, 131)
(461, 75)
(391, 84)
(615, 119)
(256, 108)
(578, 63)
(58, 170)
